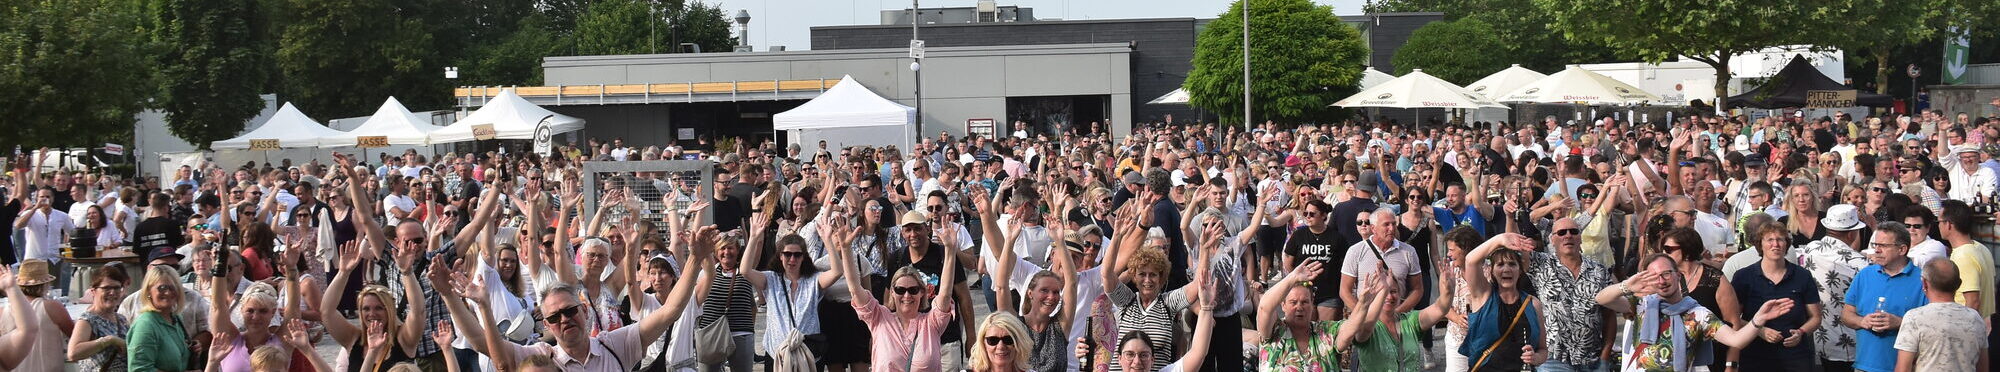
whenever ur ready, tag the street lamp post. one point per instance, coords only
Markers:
(916, 68)
(1246, 65)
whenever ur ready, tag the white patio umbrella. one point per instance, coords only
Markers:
(1579, 86)
(1178, 96)
(1372, 77)
(1417, 90)
(1499, 83)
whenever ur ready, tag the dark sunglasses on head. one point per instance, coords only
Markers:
(559, 315)
(911, 290)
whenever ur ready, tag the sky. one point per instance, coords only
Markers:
(789, 22)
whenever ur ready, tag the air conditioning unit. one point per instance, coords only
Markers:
(989, 11)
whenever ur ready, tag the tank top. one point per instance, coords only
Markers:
(731, 295)
(343, 232)
(49, 348)
(239, 356)
(358, 350)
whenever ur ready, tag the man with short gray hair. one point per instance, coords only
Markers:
(1378, 250)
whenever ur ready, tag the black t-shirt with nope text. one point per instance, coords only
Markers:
(1324, 247)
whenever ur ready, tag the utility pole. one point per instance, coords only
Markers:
(1246, 66)
(916, 67)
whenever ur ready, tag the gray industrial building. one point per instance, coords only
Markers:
(985, 62)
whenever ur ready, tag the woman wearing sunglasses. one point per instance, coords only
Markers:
(903, 337)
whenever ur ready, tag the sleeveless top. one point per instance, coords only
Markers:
(1051, 352)
(343, 232)
(48, 349)
(239, 356)
(730, 294)
(106, 360)
(1704, 293)
(358, 350)
(1489, 325)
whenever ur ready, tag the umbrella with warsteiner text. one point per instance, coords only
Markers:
(1579, 86)
(1417, 90)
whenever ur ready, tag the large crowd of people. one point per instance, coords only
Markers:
(1708, 243)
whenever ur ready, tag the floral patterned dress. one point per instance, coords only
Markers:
(1312, 353)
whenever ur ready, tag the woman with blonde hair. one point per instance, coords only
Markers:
(376, 307)
(900, 331)
(1004, 344)
(159, 342)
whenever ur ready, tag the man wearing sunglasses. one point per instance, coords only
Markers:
(1567, 283)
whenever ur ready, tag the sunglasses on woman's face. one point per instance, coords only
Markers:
(792, 254)
(997, 340)
(906, 291)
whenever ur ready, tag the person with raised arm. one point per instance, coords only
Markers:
(565, 313)
(1384, 340)
(904, 337)
(1672, 330)
(1134, 348)
(1502, 317)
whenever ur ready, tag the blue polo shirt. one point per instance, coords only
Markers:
(1753, 289)
(1895, 293)
(1447, 219)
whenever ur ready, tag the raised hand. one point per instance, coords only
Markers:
(219, 347)
(378, 336)
(442, 334)
(705, 241)
(350, 255)
(296, 335)
(1305, 272)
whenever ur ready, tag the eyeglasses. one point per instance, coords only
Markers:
(1362, 223)
(1311, 214)
(910, 290)
(997, 340)
(1586, 196)
(1879, 189)
(559, 315)
(110, 288)
(1568, 232)
(1670, 247)
(1916, 225)
(792, 254)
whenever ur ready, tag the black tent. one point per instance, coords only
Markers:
(1788, 89)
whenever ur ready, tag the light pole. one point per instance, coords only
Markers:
(916, 68)
(1246, 66)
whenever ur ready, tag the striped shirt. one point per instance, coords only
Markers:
(730, 294)
(1156, 319)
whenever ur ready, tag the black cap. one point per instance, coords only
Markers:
(164, 252)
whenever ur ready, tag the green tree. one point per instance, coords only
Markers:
(619, 27)
(703, 24)
(213, 68)
(1303, 58)
(1440, 49)
(72, 72)
(341, 58)
(639, 26)
(1709, 31)
(1523, 30)
(513, 59)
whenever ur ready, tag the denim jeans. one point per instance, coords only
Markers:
(1555, 366)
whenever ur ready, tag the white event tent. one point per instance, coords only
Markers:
(394, 122)
(848, 114)
(511, 117)
(291, 128)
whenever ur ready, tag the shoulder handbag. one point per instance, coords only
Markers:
(712, 343)
(792, 355)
